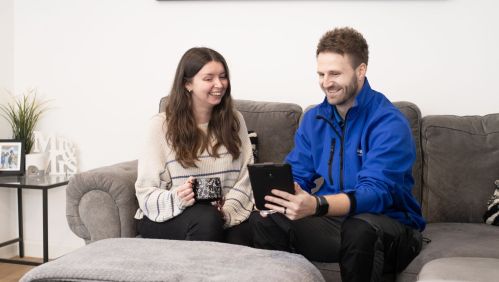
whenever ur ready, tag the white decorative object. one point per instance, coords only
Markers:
(61, 153)
(36, 163)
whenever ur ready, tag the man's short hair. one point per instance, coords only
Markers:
(345, 40)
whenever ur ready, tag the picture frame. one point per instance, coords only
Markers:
(12, 157)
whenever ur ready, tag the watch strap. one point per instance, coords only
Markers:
(322, 206)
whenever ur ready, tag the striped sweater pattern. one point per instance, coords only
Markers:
(159, 176)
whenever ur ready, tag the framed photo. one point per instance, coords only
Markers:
(12, 157)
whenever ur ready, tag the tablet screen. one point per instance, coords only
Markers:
(267, 176)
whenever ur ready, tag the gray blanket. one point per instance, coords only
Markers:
(136, 259)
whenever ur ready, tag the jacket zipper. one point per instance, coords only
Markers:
(330, 161)
(342, 142)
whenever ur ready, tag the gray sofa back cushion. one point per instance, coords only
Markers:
(461, 162)
(413, 115)
(275, 124)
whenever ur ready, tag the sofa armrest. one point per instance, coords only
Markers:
(101, 203)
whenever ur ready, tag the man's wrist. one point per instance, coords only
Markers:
(322, 207)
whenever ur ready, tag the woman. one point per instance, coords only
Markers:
(200, 134)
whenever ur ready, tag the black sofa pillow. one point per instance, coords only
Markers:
(254, 144)
(491, 216)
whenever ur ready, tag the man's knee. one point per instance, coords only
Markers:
(358, 234)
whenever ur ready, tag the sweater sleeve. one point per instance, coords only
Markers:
(239, 200)
(153, 188)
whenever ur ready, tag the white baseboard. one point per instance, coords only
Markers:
(35, 249)
(9, 251)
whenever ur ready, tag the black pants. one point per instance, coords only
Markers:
(200, 222)
(366, 245)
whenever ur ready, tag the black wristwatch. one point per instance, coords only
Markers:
(322, 206)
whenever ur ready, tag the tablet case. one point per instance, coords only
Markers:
(267, 176)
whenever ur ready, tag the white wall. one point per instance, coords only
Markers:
(8, 205)
(106, 63)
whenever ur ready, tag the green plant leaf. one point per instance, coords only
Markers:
(23, 115)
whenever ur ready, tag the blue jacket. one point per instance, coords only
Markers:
(370, 158)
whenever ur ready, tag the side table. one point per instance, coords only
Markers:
(43, 183)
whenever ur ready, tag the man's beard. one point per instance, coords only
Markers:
(350, 91)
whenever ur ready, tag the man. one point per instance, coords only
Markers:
(364, 216)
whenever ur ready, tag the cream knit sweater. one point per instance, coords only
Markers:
(159, 176)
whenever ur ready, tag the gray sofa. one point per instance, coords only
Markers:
(457, 163)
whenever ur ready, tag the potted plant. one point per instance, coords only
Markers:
(23, 114)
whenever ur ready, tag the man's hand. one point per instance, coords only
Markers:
(296, 206)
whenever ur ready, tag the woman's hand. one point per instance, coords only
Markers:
(186, 194)
(219, 205)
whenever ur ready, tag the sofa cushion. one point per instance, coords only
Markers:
(461, 162)
(275, 123)
(456, 240)
(413, 115)
(460, 269)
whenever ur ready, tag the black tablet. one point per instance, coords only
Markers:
(267, 176)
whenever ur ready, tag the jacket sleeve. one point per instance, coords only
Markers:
(300, 158)
(239, 200)
(387, 167)
(157, 199)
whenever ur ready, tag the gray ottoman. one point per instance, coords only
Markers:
(137, 259)
(460, 269)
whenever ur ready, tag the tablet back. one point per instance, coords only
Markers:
(267, 176)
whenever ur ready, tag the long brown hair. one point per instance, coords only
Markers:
(182, 133)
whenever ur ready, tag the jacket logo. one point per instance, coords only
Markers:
(359, 152)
